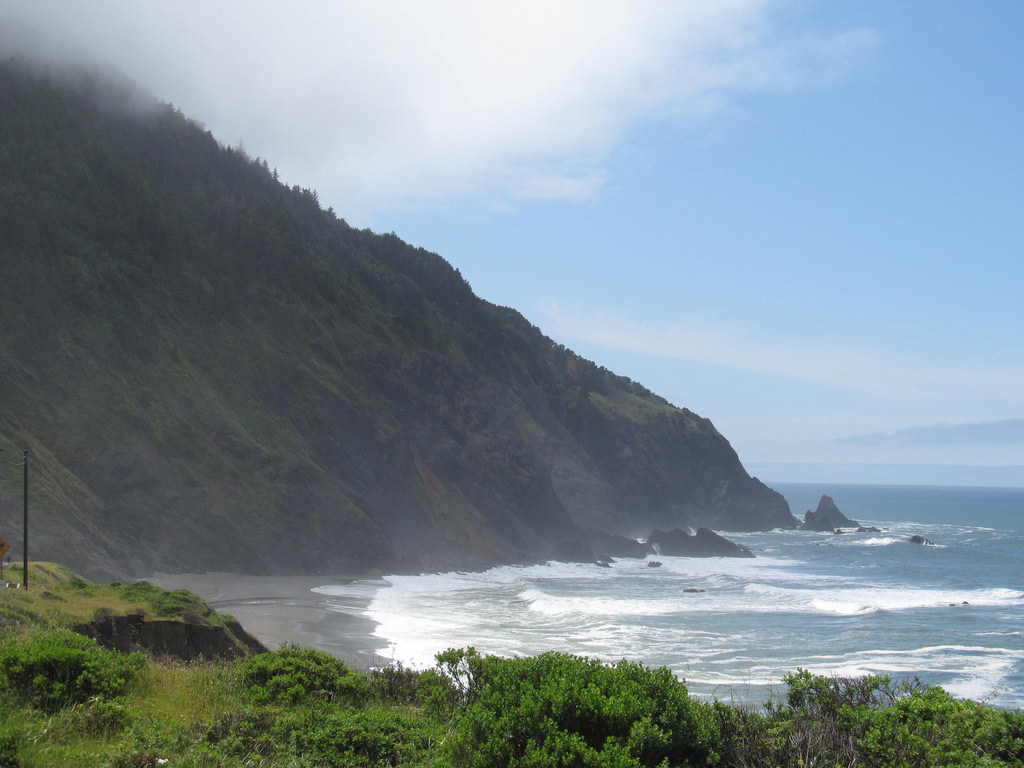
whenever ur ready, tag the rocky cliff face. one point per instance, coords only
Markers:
(212, 372)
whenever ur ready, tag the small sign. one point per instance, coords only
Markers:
(4, 546)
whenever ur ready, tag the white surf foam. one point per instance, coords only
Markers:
(745, 622)
(883, 541)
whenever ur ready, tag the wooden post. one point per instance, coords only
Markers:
(25, 522)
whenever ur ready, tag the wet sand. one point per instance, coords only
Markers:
(281, 610)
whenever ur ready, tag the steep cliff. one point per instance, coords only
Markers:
(210, 371)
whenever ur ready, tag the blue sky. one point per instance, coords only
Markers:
(801, 219)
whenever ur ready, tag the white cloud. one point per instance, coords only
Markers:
(377, 103)
(721, 346)
(890, 376)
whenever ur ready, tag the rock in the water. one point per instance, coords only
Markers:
(918, 539)
(599, 547)
(654, 564)
(826, 517)
(868, 529)
(576, 551)
(705, 543)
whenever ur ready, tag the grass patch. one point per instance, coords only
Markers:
(57, 596)
(185, 691)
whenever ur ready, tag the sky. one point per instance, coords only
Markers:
(802, 219)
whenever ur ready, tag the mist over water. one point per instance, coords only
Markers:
(852, 604)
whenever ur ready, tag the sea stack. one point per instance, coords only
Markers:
(826, 517)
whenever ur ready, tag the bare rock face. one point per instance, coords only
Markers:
(826, 517)
(172, 637)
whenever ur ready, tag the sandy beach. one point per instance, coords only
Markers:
(285, 609)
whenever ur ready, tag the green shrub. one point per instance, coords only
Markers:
(9, 750)
(173, 603)
(364, 738)
(245, 733)
(872, 722)
(748, 738)
(293, 675)
(394, 684)
(824, 717)
(827, 697)
(563, 710)
(930, 727)
(455, 682)
(322, 734)
(51, 669)
(1002, 735)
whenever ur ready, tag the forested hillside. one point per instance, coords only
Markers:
(210, 371)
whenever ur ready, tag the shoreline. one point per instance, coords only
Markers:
(282, 610)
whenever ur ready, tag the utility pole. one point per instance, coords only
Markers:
(24, 540)
(3, 549)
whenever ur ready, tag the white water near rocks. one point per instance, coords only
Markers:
(852, 604)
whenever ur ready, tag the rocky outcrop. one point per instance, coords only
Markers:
(704, 543)
(826, 517)
(918, 539)
(574, 552)
(172, 637)
(602, 549)
(611, 545)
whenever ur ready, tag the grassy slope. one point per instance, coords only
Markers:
(57, 597)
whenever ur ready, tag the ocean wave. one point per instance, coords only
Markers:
(860, 600)
(882, 542)
(551, 605)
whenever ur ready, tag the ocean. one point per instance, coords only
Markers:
(950, 614)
